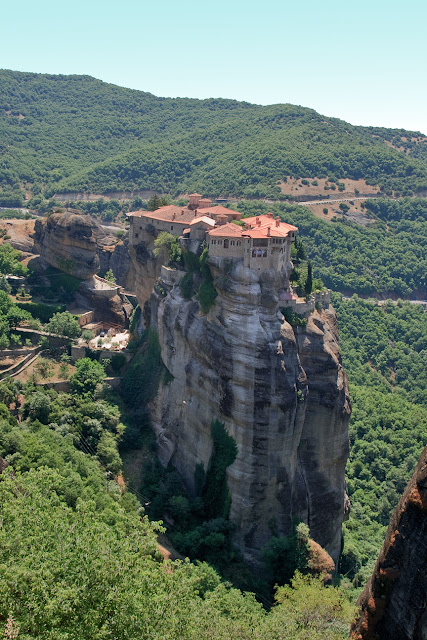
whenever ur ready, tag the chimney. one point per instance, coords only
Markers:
(258, 221)
(277, 221)
(173, 215)
(269, 231)
(247, 226)
(182, 212)
(270, 215)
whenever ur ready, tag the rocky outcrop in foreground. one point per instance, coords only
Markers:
(69, 241)
(393, 605)
(281, 393)
(77, 244)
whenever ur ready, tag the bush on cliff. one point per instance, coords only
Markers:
(215, 493)
(140, 383)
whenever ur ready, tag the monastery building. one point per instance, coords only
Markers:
(261, 242)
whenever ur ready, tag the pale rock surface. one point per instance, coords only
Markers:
(281, 393)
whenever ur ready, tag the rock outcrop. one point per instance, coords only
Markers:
(69, 241)
(281, 393)
(393, 604)
(117, 258)
(77, 244)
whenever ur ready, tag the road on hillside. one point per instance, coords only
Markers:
(334, 200)
(381, 302)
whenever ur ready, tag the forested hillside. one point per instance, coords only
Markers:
(384, 350)
(76, 133)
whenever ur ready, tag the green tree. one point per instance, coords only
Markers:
(110, 276)
(89, 374)
(87, 335)
(10, 261)
(64, 324)
(154, 203)
(166, 247)
(37, 407)
(4, 285)
(309, 282)
(286, 554)
(64, 371)
(44, 367)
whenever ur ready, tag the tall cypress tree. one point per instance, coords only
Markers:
(309, 282)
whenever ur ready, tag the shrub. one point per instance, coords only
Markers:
(206, 295)
(118, 360)
(186, 286)
(215, 494)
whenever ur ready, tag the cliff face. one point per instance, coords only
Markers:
(69, 242)
(280, 392)
(394, 602)
(78, 244)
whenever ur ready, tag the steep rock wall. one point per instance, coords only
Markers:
(79, 245)
(281, 393)
(394, 602)
(69, 241)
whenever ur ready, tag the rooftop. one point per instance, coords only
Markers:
(169, 213)
(220, 210)
(205, 219)
(229, 229)
(264, 226)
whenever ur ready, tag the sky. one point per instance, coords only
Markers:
(364, 62)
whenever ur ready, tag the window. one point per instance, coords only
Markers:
(172, 227)
(260, 242)
(226, 243)
(136, 235)
(264, 255)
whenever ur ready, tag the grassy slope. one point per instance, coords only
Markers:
(80, 133)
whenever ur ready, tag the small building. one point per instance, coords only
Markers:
(84, 316)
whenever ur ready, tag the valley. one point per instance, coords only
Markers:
(246, 366)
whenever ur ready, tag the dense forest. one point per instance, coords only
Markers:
(384, 351)
(76, 133)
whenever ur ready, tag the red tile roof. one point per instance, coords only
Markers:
(265, 229)
(228, 229)
(220, 210)
(182, 214)
(270, 221)
(205, 219)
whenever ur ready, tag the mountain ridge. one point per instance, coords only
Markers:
(76, 133)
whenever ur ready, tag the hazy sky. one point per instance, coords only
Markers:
(363, 61)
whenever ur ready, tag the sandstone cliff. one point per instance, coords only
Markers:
(69, 241)
(77, 244)
(394, 602)
(281, 393)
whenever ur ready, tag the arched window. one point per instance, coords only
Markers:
(253, 253)
(264, 255)
(226, 243)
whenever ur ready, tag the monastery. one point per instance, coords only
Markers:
(261, 242)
